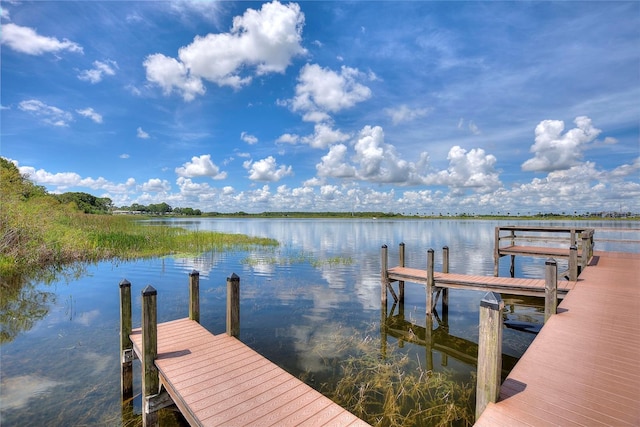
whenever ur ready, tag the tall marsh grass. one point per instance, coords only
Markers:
(40, 233)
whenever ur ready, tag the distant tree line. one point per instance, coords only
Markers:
(160, 209)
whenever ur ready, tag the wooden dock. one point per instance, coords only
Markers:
(583, 367)
(215, 380)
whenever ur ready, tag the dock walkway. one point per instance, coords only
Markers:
(583, 367)
(510, 285)
(213, 380)
(216, 380)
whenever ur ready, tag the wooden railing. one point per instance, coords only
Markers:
(573, 243)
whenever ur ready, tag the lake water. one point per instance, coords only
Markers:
(300, 304)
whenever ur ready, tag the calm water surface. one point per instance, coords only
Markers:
(299, 304)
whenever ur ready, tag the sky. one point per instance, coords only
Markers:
(418, 107)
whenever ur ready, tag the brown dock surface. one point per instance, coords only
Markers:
(583, 368)
(216, 380)
(515, 286)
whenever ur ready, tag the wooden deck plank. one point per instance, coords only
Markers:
(517, 286)
(217, 380)
(584, 362)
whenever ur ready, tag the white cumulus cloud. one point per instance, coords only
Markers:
(264, 40)
(555, 150)
(267, 170)
(27, 40)
(468, 169)
(321, 91)
(200, 166)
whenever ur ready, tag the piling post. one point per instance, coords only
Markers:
(150, 379)
(489, 351)
(430, 281)
(512, 269)
(401, 283)
(587, 248)
(550, 289)
(233, 305)
(573, 263)
(194, 296)
(384, 278)
(126, 346)
(496, 253)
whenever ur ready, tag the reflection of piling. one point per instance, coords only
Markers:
(489, 351)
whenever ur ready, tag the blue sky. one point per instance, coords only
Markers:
(412, 107)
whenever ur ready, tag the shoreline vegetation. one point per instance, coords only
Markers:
(41, 232)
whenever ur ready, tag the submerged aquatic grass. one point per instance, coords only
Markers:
(395, 390)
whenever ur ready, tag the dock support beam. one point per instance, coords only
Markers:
(126, 346)
(550, 289)
(233, 305)
(150, 378)
(430, 281)
(489, 351)
(194, 296)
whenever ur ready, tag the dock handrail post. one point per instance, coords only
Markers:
(401, 283)
(126, 346)
(194, 296)
(550, 289)
(573, 263)
(233, 305)
(150, 378)
(496, 253)
(384, 279)
(430, 281)
(489, 351)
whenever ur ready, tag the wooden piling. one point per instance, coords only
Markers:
(573, 263)
(550, 288)
(401, 283)
(496, 253)
(233, 305)
(126, 346)
(194, 296)
(150, 379)
(489, 351)
(384, 279)
(430, 281)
